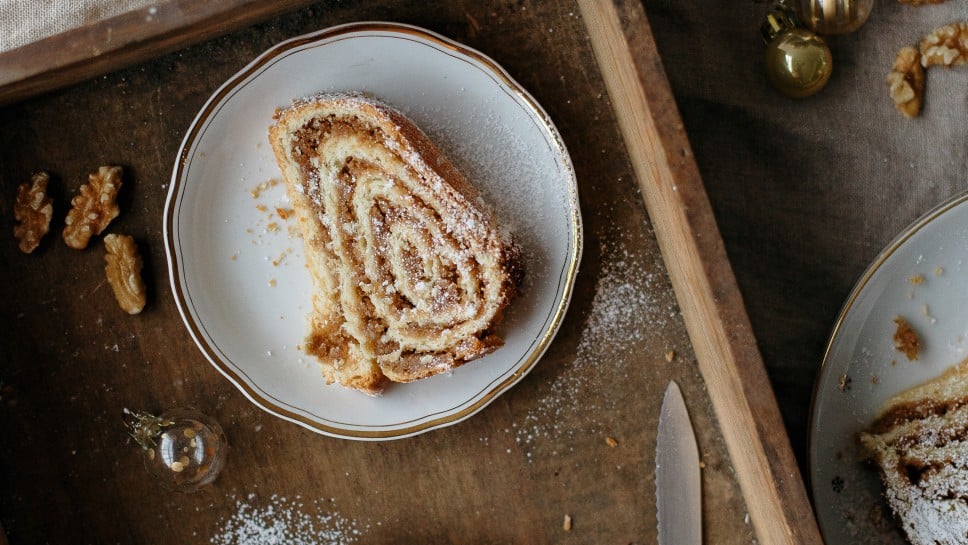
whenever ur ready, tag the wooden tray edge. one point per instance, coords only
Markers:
(701, 275)
(125, 40)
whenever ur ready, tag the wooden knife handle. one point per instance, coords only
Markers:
(701, 276)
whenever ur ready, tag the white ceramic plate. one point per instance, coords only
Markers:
(237, 269)
(847, 493)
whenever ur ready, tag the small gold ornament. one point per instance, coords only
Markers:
(834, 16)
(797, 62)
(183, 449)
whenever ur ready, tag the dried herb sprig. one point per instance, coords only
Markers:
(144, 427)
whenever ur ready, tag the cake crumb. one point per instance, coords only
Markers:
(938, 271)
(611, 441)
(906, 339)
(566, 525)
(927, 313)
(916, 280)
(844, 383)
(670, 355)
(257, 190)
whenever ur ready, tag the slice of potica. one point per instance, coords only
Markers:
(410, 271)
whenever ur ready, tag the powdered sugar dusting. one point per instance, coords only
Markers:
(924, 462)
(631, 302)
(290, 522)
(494, 157)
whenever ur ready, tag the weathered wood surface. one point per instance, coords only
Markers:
(72, 360)
(701, 275)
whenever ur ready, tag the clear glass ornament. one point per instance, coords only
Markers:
(834, 16)
(183, 448)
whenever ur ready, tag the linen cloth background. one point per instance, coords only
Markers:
(26, 21)
(807, 192)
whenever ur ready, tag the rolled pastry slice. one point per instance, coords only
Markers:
(410, 272)
(919, 443)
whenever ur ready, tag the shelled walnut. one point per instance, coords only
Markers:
(123, 269)
(33, 211)
(93, 208)
(907, 82)
(946, 46)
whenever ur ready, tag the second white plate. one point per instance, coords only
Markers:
(237, 269)
(921, 276)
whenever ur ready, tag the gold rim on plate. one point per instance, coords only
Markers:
(491, 390)
(875, 266)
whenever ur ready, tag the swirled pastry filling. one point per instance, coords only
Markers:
(410, 271)
(919, 444)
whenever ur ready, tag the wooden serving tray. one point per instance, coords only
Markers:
(575, 438)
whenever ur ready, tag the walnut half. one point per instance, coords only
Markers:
(906, 81)
(123, 269)
(946, 46)
(33, 210)
(93, 208)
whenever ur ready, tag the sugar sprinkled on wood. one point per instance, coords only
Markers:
(290, 522)
(631, 303)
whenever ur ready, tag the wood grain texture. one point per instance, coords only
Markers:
(705, 287)
(126, 39)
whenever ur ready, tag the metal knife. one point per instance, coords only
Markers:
(678, 494)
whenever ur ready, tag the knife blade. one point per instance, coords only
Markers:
(678, 493)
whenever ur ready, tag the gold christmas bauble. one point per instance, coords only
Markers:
(834, 16)
(798, 62)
